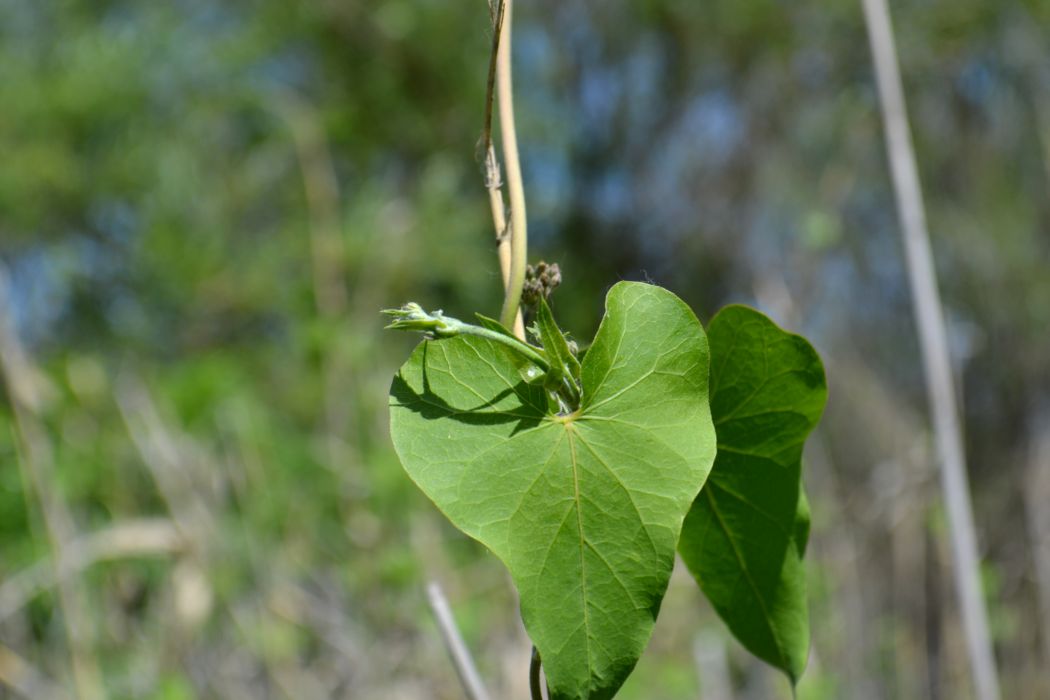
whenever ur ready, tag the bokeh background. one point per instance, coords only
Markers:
(204, 204)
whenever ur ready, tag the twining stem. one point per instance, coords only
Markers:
(513, 237)
(497, 15)
(499, 220)
(493, 177)
(518, 224)
(535, 684)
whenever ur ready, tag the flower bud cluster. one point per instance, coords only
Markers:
(540, 281)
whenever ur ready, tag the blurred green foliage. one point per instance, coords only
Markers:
(166, 226)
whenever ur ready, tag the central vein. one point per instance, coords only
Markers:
(570, 431)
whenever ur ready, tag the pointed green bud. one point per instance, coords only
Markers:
(412, 317)
(436, 325)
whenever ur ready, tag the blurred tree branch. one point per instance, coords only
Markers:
(933, 341)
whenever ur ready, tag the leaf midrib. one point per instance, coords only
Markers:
(630, 497)
(571, 433)
(747, 575)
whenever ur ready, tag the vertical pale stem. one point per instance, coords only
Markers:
(499, 215)
(499, 220)
(515, 188)
(929, 319)
(457, 648)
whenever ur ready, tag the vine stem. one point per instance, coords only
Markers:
(933, 342)
(513, 252)
(535, 684)
(493, 177)
(515, 188)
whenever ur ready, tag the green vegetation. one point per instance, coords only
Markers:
(203, 204)
(583, 505)
(582, 493)
(745, 536)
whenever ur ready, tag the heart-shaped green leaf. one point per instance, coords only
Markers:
(746, 533)
(584, 509)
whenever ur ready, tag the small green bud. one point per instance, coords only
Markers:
(435, 325)
(412, 317)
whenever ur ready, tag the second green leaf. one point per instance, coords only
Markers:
(744, 538)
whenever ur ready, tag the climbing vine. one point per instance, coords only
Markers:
(584, 470)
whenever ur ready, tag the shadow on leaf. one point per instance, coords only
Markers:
(432, 406)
